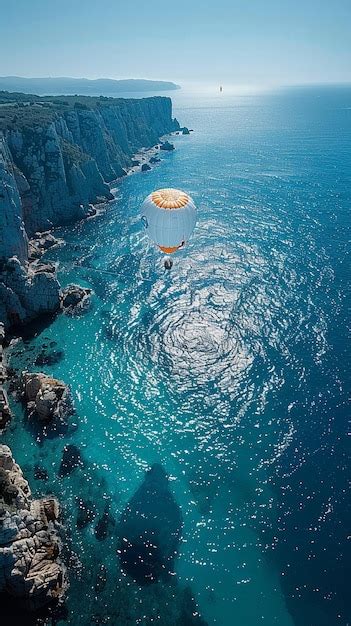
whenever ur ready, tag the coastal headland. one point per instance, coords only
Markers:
(59, 160)
(58, 157)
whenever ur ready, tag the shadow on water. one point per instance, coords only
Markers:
(263, 299)
(32, 329)
(150, 530)
(152, 512)
(147, 537)
(105, 524)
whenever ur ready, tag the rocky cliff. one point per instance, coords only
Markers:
(57, 156)
(30, 566)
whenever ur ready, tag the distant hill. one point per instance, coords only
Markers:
(82, 86)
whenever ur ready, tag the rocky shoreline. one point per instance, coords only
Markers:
(59, 157)
(31, 289)
(31, 568)
(74, 299)
(5, 411)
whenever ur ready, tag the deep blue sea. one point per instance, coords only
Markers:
(232, 370)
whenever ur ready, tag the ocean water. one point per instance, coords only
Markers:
(232, 371)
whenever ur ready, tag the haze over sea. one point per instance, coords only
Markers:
(232, 370)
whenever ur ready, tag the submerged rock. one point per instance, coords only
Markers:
(71, 459)
(145, 167)
(155, 159)
(46, 357)
(185, 131)
(30, 568)
(166, 145)
(105, 523)
(168, 263)
(75, 300)
(101, 579)
(86, 513)
(150, 529)
(40, 473)
(46, 398)
(100, 620)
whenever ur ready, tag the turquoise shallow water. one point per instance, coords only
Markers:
(230, 370)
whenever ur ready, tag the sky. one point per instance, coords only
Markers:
(247, 42)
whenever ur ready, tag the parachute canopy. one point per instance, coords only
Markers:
(169, 216)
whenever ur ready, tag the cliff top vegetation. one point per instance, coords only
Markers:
(20, 110)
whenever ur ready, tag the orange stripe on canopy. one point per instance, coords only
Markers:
(169, 198)
(169, 250)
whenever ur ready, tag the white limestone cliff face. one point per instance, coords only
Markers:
(58, 190)
(13, 237)
(66, 163)
(30, 567)
(25, 291)
(53, 165)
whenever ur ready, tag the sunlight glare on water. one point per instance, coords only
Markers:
(224, 369)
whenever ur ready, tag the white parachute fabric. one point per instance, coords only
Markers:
(171, 224)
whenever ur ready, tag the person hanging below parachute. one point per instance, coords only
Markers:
(169, 217)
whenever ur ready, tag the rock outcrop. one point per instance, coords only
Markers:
(71, 459)
(5, 412)
(40, 243)
(46, 398)
(57, 156)
(30, 567)
(86, 512)
(75, 300)
(166, 145)
(27, 291)
(64, 151)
